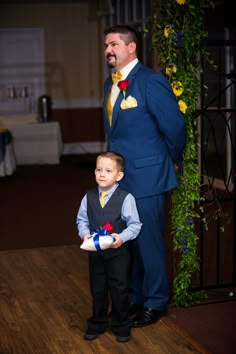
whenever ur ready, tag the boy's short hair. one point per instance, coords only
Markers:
(116, 157)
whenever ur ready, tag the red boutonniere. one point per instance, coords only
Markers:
(123, 86)
(108, 226)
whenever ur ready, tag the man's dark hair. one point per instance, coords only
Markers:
(128, 33)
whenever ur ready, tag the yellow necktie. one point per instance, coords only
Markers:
(109, 108)
(102, 198)
(116, 77)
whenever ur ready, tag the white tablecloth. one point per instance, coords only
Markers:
(37, 143)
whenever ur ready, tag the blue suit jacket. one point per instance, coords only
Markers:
(151, 136)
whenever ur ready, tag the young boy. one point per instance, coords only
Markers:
(109, 269)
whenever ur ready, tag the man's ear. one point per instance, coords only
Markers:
(132, 47)
(120, 176)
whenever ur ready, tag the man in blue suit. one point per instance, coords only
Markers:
(144, 124)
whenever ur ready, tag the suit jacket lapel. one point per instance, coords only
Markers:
(133, 73)
(130, 78)
(116, 108)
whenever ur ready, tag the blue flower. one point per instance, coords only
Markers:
(178, 38)
(185, 247)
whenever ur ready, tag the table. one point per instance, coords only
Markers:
(7, 156)
(37, 143)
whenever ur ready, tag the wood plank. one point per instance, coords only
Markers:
(45, 301)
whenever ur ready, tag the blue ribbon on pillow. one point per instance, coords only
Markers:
(97, 233)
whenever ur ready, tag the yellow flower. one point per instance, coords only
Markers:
(181, 2)
(171, 68)
(177, 88)
(182, 106)
(168, 31)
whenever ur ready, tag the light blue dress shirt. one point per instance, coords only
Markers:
(129, 214)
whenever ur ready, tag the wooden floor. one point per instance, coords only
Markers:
(45, 301)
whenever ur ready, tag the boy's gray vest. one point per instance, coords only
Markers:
(111, 212)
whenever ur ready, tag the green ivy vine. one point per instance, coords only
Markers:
(177, 32)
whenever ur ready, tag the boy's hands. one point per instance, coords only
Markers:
(86, 237)
(118, 242)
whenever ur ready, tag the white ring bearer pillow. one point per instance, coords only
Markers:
(100, 239)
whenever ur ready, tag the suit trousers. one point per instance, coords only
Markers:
(149, 280)
(109, 272)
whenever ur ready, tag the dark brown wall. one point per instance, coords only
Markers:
(80, 124)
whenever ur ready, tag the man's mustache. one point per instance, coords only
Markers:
(110, 56)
